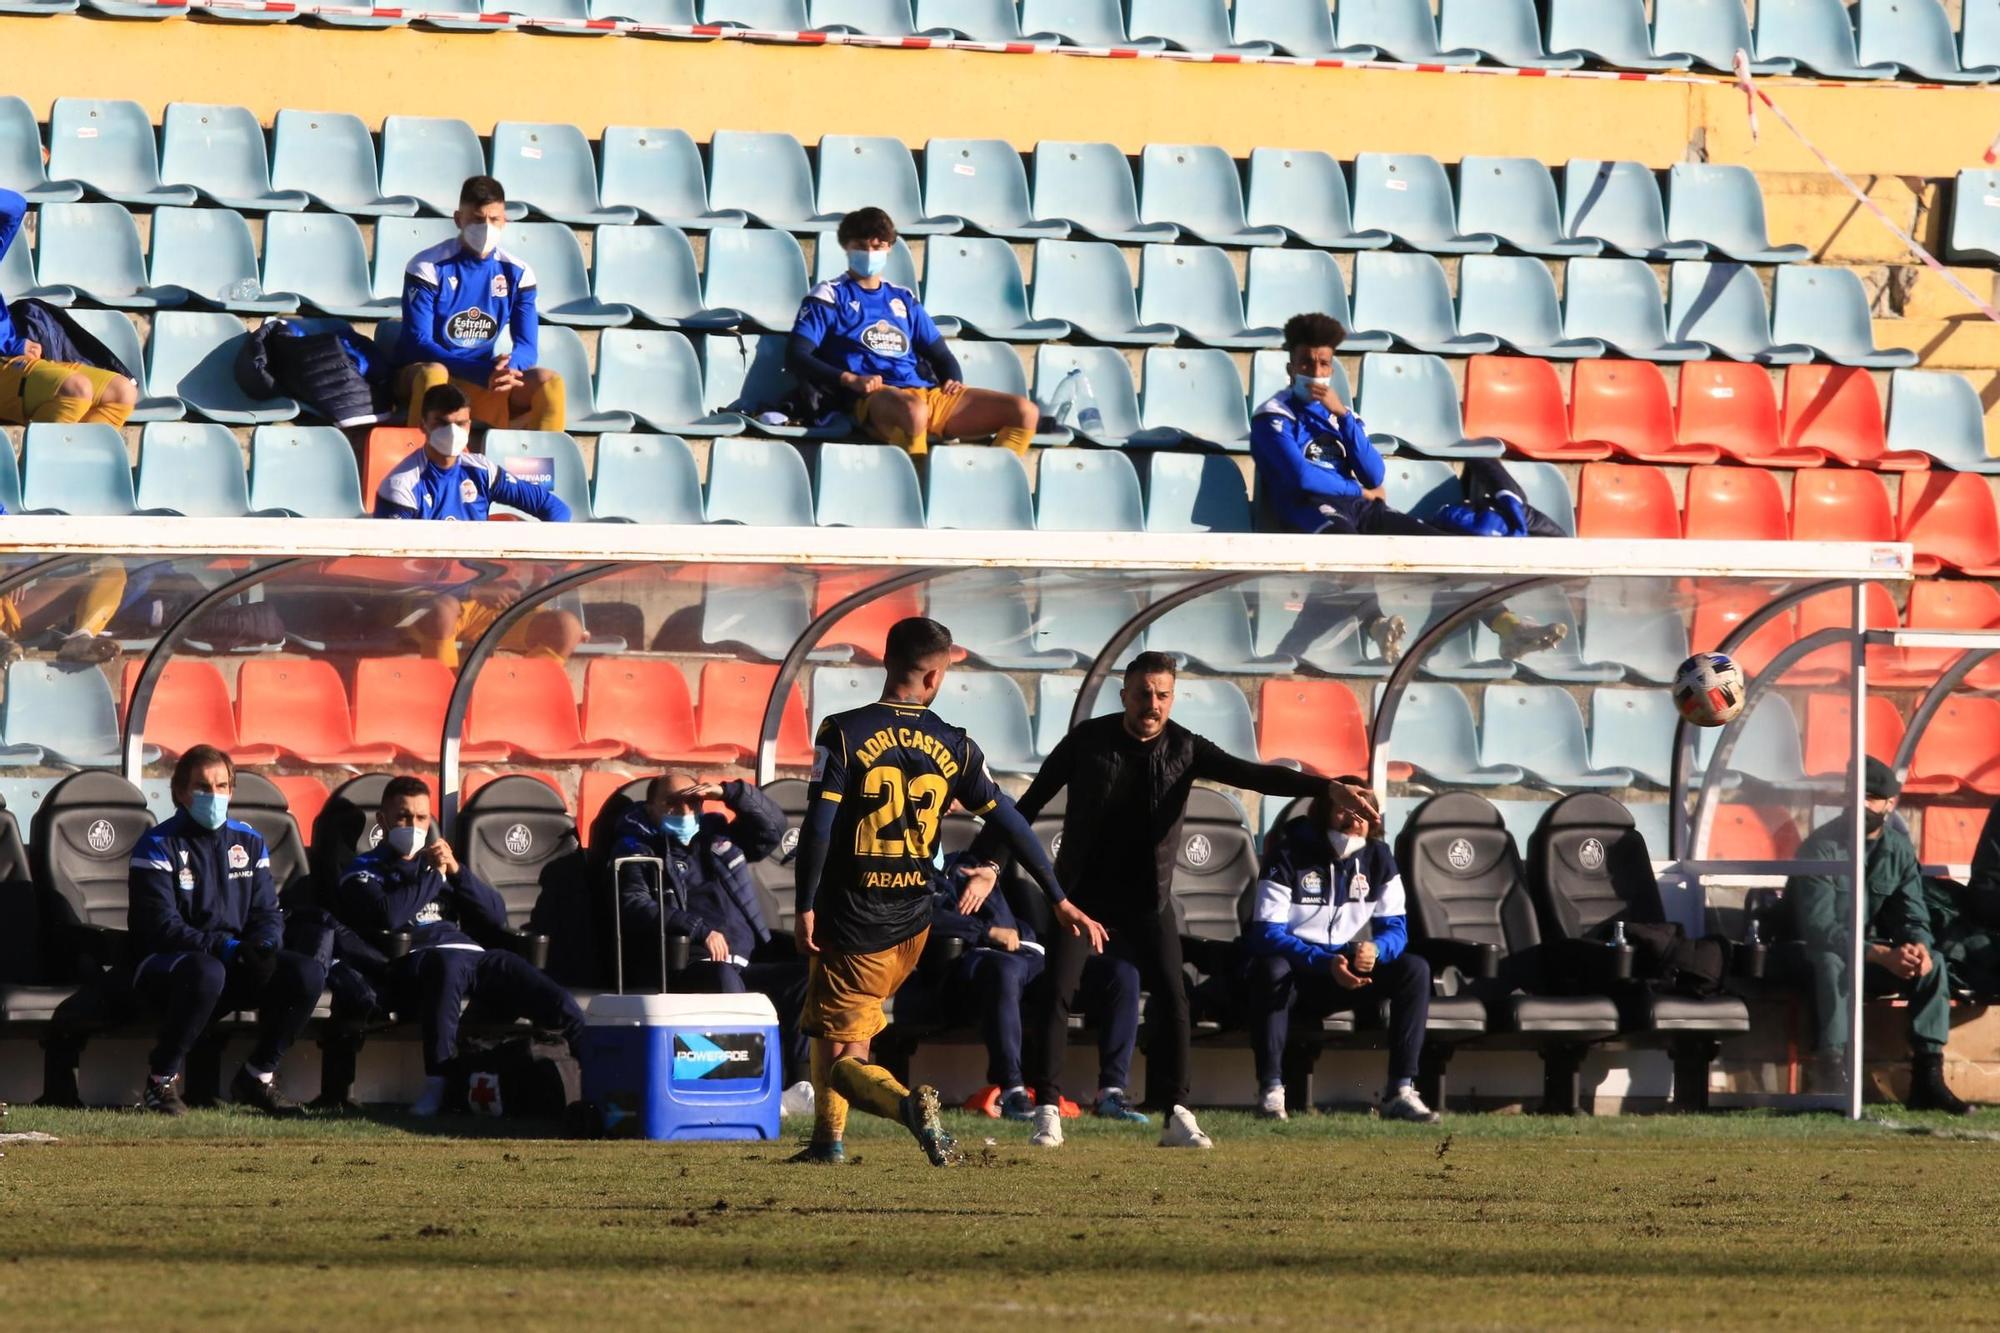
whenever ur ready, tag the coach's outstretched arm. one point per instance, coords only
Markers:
(1006, 818)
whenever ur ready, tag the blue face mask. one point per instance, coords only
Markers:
(868, 263)
(208, 809)
(681, 828)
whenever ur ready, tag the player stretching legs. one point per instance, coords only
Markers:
(883, 776)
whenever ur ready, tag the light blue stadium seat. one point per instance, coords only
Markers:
(21, 166)
(830, 261)
(192, 468)
(976, 281)
(1080, 616)
(1083, 490)
(750, 370)
(982, 183)
(1608, 32)
(760, 617)
(1088, 285)
(1433, 733)
(1420, 487)
(1213, 631)
(397, 241)
(1055, 697)
(860, 170)
(997, 366)
(1722, 305)
(220, 151)
(1184, 25)
(109, 147)
(560, 350)
(1513, 298)
(1089, 187)
(116, 332)
(92, 250)
(1196, 187)
(837, 689)
(1826, 309)
(1270, 374)
(1111, 389)
(428, 158)
(1080, 22)
(1197, 393)
(866, 486)
(17, 275)
(1630, 627)
(330, 158)
(762, 15)
(304, 470)
(1979, 34)
(562, 287)
(970, 20)
(1503, 32)
(990, 706)
(651, 271)
(977, 486)
(653, 377)
(1284, 282)
(76, 470)
(1464, 656)
(877, 18)
(658, 171)
(1396, 29)
(1408, 296)
(1712, 32)
(1722, 207)
(1411, 402)
(1544, 487)
(1769, 745)
(205, 257)
(37, 8)
(1566, 661)
(1617, 302)
(1939, 413)
(532, 12)
(1305, 192)
(1818, 35)
(441, 20)
(1619, 203)
(1540, 728)
(646, 478)
(990, 617)
(320, 260)
(1634, 730)
(1514, 198)
(764, 175)
(10, 483)
(67, 711)
(1975, 218)
(1217, 710)
(759, 482)
(192, 356)
(1288, 27)
(1195, 493)
(758, 275)
(527, 455)
(1318, 622)
(24, 796)
(1407, 196)
(549, 168)
(1193, 288)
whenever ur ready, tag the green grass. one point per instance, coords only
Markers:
(227, 1219)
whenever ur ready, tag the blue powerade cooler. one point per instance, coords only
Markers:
(684, 1066)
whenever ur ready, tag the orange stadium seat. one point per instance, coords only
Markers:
(1950, 519)
(1317, 722)
(1951, 834)
(1719, 610)
(1520, 400)
(1838, 410)
(1951, 604)
(1735, 504)
(304, 796)
(1829, 739)
(1961, 743)
(1623, 500)
(1734, 408)
(479, 777)
(1752, 833)
(191, 707)
(866, 628)
(1833, 505)
(401, 701)
(300, 707)
(1627, 405)
(642, 704)
(526, 703)
(1834, 610)
(598, 786)
(387, 446)
(731, 712)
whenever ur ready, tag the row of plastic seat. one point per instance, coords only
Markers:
(1974, 234)
(1880, 39)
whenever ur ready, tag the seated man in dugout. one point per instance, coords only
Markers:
(33, 389)
(871, 348)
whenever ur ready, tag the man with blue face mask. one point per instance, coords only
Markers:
(205, 923)
(410, 883)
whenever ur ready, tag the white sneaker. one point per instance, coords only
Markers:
(432, 1100)
(1183, 1132)
(797, 1100)
(1048, 1128)
(1406, 1105)
(1272, 1105)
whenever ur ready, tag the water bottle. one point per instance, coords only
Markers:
(1088, 419)
(1063, 400)
(1617, 934)
(1753, 938)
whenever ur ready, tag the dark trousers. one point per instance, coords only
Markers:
(1277, 990)
(1151, 947)
(783, 983)
(190, 989)
(436, 984)
(990, 984)
(1482, 479)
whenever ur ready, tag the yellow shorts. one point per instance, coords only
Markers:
(489, 408)
(25, 389)
(845, 991)
(941, 403)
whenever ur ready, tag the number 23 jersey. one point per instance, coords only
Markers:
(894, 770)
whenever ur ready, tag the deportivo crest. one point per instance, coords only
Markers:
(239, 857)
(885, 339)
(468, 490)
(518, 840)
(1591, 854)
(897, 308)
(1459, 854)
(100, 835)
(1357, 887)
(1198, 850)
(500, 286)
(471, 328)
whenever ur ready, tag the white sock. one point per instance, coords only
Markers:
(1106, 1094)
(1009, 1092)
(261, 1075)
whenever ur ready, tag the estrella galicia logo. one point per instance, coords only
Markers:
(714, 1056)
(471, 327)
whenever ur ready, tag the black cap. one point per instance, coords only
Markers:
(1879, 781)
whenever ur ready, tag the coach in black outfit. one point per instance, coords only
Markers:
(1129, 776)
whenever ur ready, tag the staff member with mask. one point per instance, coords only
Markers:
(205, 923)
(459, 296)
(443, 481)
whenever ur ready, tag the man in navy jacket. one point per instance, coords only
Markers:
(1329, 933)
(205, 924)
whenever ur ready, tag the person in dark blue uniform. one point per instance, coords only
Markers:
(409, 882)
(205, 924)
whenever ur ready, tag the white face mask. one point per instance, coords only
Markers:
(1346, 845)
(1305, 385)
(480, 237)
(449, 439)
(405, 840)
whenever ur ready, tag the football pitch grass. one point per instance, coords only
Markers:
(226, 1220)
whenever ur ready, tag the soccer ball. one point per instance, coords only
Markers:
(1708, 690)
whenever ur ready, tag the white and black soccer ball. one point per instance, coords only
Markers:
(1708, 690)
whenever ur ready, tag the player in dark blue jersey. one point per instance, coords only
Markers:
(883, 777)
(871, 346)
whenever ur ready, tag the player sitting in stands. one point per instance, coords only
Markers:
(459, 296)
(33, 389)
(441, 480)
(871, 347)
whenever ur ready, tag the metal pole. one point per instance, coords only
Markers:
(618, 916)
(1100, 666)
(1858, 853)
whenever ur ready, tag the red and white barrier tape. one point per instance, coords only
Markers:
(1754, 94)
